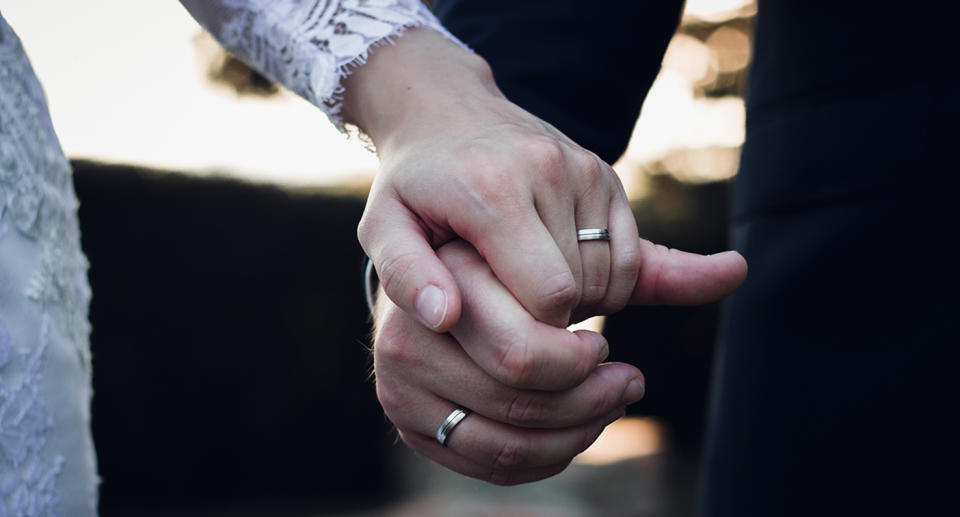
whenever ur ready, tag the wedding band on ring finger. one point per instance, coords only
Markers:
(593, 234)
(454, 418)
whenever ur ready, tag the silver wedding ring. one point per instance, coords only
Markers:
(454, 418)
(593, 234)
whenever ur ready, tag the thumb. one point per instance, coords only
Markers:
(410, 272)
(672, 277)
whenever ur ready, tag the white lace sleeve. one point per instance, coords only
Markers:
(309, 46)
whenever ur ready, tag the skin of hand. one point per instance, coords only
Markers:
(537, 394)
(458, 160)
(512, 435)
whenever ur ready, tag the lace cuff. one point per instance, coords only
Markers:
(309, 46)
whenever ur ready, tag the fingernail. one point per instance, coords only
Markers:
(634, 392)
(604, 353)
(432, 306)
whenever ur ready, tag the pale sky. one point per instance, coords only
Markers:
(125, 85)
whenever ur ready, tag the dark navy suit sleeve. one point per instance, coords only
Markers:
(584, 66)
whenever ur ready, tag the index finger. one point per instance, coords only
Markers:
(506, 341)
(525, 257)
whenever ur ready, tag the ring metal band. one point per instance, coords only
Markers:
(369, 281)
(454, 418)
(593, 234)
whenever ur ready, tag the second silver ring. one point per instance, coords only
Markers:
(454, 418)
(593, 234)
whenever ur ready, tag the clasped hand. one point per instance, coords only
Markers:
(539, 394)
(472, 226)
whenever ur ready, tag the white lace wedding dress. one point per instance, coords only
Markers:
(47, 461)
(46, 454)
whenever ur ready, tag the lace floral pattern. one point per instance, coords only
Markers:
(36, 191)
(37, 207)
(27, 481)
(309, 46)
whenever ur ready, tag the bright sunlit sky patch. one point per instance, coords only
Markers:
(125, 84)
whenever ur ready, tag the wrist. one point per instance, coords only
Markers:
(401, 85)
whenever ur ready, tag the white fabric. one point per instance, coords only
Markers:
(309, 46)
(47, 462)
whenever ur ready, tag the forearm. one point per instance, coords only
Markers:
(408, 89)
(309, 47)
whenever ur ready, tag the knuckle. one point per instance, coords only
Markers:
(603, 402)
(548, 160)
(458, 252)
(488, 173)
(559, 292)
(364, 229)
(512, 453)
(395, 272)
(492, 185)
(391, 346)
(524, 411)
(489, 190)
(516, 366)
(373, 221)
(624, 273)
(545, 152)
(589, 168)
(593, 294)
(391, 398)
(627, 259)
(586, 361)
(450, 251)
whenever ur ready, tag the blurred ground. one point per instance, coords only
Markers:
(660, 484)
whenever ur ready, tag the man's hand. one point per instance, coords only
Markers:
(537, 395)
(512, 435)
(516, 349)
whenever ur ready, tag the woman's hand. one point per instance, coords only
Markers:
(458, 160)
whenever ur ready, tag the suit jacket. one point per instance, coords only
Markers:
(836, 355)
